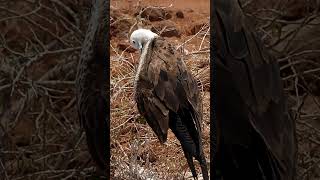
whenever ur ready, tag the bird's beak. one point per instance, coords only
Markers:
(140, 47)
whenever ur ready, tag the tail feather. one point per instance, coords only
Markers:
(96, 126)
(191, 164)
(192, 147)
(203, 165)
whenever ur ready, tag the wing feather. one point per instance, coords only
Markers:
(156, 115)
(256, 79)
(172, 87)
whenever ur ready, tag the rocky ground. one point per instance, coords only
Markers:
(136, 152)
(289, 29)
(134, 146)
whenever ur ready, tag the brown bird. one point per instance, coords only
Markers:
(92, 86)
(167, 95)
(255, 133)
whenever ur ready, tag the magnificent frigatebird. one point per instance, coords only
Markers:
(167, 95)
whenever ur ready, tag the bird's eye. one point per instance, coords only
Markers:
(133, 42)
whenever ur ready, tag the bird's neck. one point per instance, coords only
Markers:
(143, 62)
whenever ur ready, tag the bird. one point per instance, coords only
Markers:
(167, 95)
(255, 130)
(92, 86)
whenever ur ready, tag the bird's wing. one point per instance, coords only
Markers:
(256, 78)
(91, 85)
(251, 61)
(172, 87)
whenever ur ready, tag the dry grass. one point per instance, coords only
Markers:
(136, 153)
(296, 45)
(39, 48)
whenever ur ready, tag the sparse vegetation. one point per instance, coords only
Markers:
(136, 153)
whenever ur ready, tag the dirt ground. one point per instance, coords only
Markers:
(289, 29)
(136, 153)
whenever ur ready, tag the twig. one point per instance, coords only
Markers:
(298, 54)
(191, 37)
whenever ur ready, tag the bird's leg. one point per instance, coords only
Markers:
(191, 165)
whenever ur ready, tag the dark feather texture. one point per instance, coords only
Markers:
(256, 135)
(167, 95)
(91, 84)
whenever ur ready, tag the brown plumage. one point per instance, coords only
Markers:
(167, 96)
(256, 134)
(91, 85)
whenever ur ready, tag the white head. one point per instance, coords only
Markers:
(140, 37)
